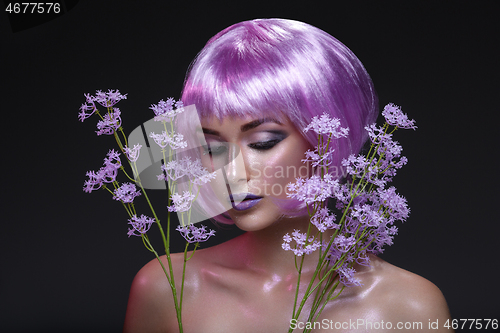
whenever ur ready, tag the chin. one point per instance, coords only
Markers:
(256, 218)
(249, 222)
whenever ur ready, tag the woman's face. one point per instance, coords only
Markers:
(257, 158)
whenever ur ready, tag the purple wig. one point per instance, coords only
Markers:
(283, 68)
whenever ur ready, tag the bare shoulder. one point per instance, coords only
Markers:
(407, 297)
(389, 298)
(150, 303)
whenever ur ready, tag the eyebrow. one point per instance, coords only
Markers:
(245, 127)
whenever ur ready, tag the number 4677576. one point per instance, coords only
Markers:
(33, 7)
(477, 324)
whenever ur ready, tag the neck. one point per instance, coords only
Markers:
(262, 249)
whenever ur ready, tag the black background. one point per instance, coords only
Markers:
(66, 262)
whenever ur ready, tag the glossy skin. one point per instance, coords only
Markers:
(248, 283)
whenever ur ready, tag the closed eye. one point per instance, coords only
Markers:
(265, 145)
(214, 150)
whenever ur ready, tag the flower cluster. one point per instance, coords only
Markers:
(133, 153)
(196, 173)
(181, 203)
(303, 245)
(380, 168)
(126, 193)
(164, 111)
(324, 220)
(313, 189)
(193, 234)
(88, 106)
(319, 157)
(105, 99)
(110, 98)
(395, 117)
(370, 209)
(346, 276)
(106, 174)
(110, 122)
(174, 140)
(367, 227)
(140, 225)
(327, 125)
(176, 169)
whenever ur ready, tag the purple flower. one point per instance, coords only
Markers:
(327, 125)
(381, 237)
(163, 107)
(140, 225)
(369, 209)
(395, 117)
(194, 170)
(93, 183)
(106, 174)
(363, 259)
(181, 203)
(110, 98)
(179, 105)
(388, 151)
(174, 140)
(360, 166)
(343, 243)
(113, 155)
(347, 278)
(377, 170)
(133, 153)
(377, 134)
(105, 99)
(396, 204)
(164, 111)
(323, 220)
(302, 246)
(111, 122)
(343, 195)
(313, 189)
(176, 169)
(86, 107)
(126, 193)
(367, 215)
(391, 149)
(319, 157)
(194, 234)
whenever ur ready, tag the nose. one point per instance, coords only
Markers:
(235, 170)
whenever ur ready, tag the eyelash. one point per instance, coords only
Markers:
(265, 145)
(210, 151)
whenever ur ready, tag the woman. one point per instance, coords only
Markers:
(256, 85)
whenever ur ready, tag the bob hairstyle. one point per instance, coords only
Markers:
(282, 68)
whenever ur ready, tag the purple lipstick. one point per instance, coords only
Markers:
(244, 201)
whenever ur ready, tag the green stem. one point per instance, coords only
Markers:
(171, 281)
(126, 174)
(184, 275)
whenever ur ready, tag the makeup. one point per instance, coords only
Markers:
(244, 201)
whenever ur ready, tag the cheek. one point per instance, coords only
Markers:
(218, 184)
(272, 172)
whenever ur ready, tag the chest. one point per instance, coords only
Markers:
(227, 302)
(226, 311)
(252, 310)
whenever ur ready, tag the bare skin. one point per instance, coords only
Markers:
(248, 284)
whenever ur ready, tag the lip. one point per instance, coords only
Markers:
(247, 200)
